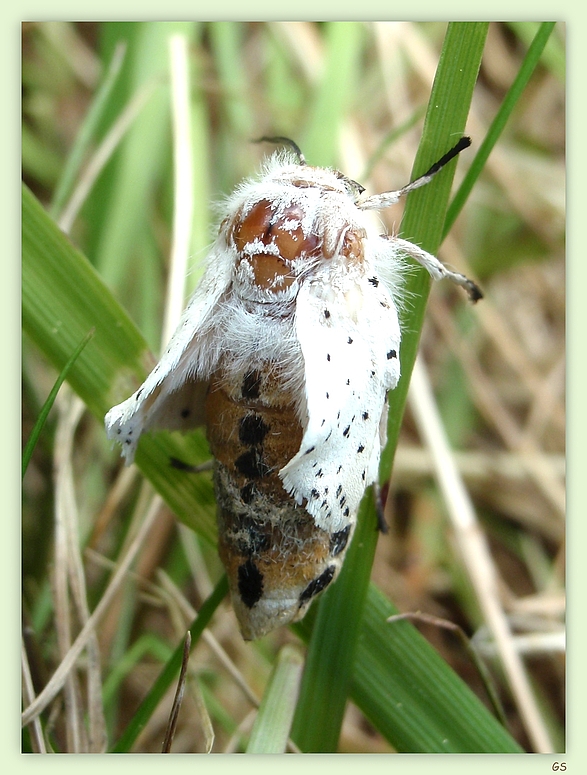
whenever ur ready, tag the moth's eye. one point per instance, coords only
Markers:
(352, 246)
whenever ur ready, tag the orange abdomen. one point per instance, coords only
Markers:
(276, 558)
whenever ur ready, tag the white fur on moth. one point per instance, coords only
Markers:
(286, 353)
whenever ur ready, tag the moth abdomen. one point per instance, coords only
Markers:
(276, 557)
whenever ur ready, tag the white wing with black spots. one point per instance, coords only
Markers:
(348, 330)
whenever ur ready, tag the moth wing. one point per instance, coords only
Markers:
(349, 336)
(172, 396)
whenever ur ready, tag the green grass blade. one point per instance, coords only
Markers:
(170, 671)
(62, 299)
(127, 189)
(409, 693)
(86, 134)
(201, 151)
(344, 42)
(38, 427)
(271, 728)
(234, 104)
(553, 57)
(226, 39)
(413, 697)
(498, 124)
(331, 651)
(425, 211)
(38, 161)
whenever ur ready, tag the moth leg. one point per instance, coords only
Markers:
(436, 268)
(382, 526)
(175, 462)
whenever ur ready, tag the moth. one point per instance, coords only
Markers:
(286, 353)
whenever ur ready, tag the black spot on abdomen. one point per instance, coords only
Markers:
(252, 430)
(248, 493)
(317, 585)
(251, 536)
(250, 583)
(252, 465)
(251, 386)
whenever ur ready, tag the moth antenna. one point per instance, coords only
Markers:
(387, 198)
(463, 143)
(284, 141)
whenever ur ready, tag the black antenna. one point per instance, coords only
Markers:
(284, 141)
(387, 198)
(463, 143)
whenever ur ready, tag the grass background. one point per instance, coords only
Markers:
(354, 96)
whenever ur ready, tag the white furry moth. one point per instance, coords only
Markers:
(286, 353)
